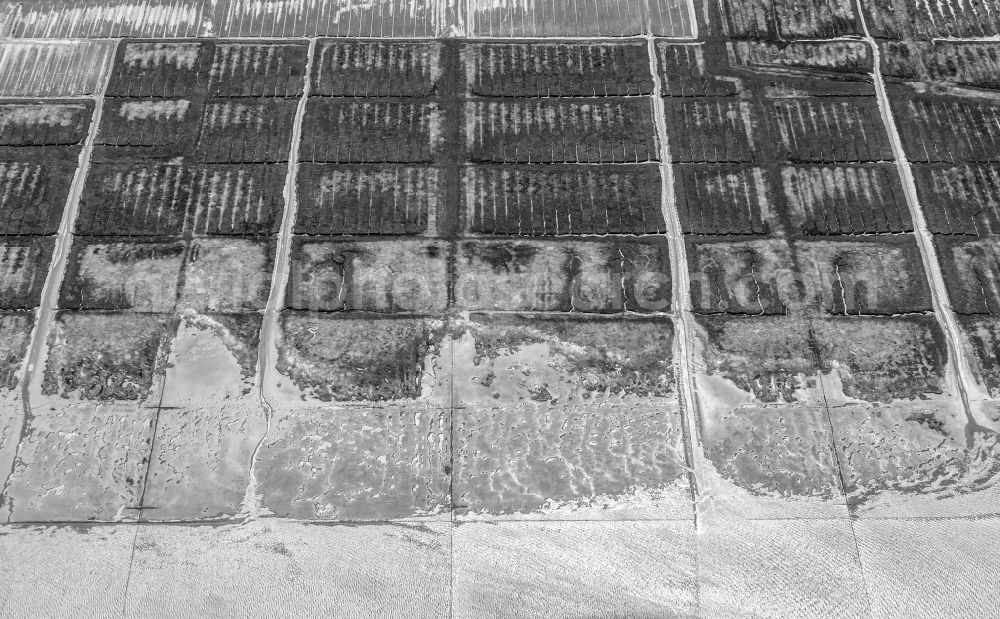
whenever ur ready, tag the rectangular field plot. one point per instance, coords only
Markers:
(605, 130)
(209, 420)
(250, 130)
(103, 19)
(971, 269)
(975, 64)
(590, 276)
(788, 19)
(24, 263)
(767, 357)
(904, 19)
(511, 459)
(15, 335)
(904, 442)
(784, 449)
(108, 274)
(343, 358)
(310, 18)
(181, 200)
(53, 68)
(694, 70)
(623, 355)
(162, 275)
(725, 199)
(947, 128)
(564, 379)
(257, 70)
(832, 65)
(839, 275)
(557, 69)
(754, 102)
(528, 200)
(32, 195)
(377, 69)
(844, 199)
(882, 275)
(828, 129)
(602, 18)
(982, 333)
(960, 199)
(732, 275)
(714, 129)
(762, 68)
(98, 452)
(44, 124)
(883, 358)
(357, 463)
(772, 436)
(84, 361)
(397, 276)
(227, 275)
(147, 129)
(181, 69)
(370, 131)
(816, 199)
(159, 69)
(96, 433)
(385, 199)
(204, 101)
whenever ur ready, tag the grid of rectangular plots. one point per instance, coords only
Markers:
(372, 181)
(172, 252)
(392, 19)
(433, 141)
(184, 194)
(368, 284)
(40, 143)
(952, 141)
(562, 263)
(803, 262)
(777, 20)
(782, 20)
(406, 147)
(789, 20)
(559, 148)
(784, 180)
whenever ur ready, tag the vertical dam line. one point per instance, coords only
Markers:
(925, 239)
(267, 350)
(680, 280)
